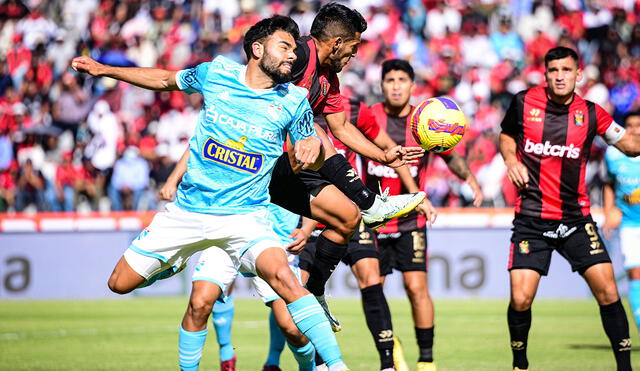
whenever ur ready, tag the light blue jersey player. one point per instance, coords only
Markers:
(247, 113)
(624, 187)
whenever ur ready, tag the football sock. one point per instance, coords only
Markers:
(340, 173)
(308, 315)
(614, 321)
(276, 342)
(222, 319)
(378, 316)
(190, 346)
(305, 356)
(634, 299)
(424, 336)
(327, 257)
(519, 325)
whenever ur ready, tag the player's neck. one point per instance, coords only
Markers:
(255, 78)
(400, 111)
(322, 51)
(563, 100)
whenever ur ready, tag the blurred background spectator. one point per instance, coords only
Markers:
(73, 142)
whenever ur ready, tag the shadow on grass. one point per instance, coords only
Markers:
(595, 347)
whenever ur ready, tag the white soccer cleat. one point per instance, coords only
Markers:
(333, 321)
(386, 208)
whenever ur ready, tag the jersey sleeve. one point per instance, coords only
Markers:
(301, 126)
(510, 123)
(333, 103)
(367, 122)
(192, 80)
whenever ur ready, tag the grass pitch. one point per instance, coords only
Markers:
(141, 334)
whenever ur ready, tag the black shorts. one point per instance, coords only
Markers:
(404, 251)
(363, 244)
(294, 191)
(534, 239)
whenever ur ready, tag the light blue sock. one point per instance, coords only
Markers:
(312, 322)
(190, 346)
(305, 355)
(222, 319)
(634, 299)
(276, 342)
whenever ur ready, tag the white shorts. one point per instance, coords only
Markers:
(216, 266)
(630, 246)
(175, 235)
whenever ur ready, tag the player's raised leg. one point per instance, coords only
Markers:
(272, 266)
(524, 285)
(614, 319)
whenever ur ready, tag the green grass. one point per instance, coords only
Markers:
(141, 334)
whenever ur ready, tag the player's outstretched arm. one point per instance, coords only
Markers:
(516, 171)
(458, 165)
(148, 78)
(168, 190)
(348, 134)
(629, 145)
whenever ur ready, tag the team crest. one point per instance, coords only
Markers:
(524, 247)
(578, 118)
(324, 85)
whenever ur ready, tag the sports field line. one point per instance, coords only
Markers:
(10, 336)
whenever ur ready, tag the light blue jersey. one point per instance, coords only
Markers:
(284, 222)
(624, 173)
(238, 138)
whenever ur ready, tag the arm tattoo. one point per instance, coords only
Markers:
(457, 165)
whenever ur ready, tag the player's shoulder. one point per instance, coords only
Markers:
(293, 93)
(226, 63)
(613, 154)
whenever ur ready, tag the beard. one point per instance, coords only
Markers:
(271, 67)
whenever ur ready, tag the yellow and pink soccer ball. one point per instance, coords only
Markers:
(437, 124)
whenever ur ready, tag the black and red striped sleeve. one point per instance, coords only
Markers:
(512, 121)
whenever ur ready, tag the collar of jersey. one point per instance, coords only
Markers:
(241, 78)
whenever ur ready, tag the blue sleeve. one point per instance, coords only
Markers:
(192, 80)
(301, 126)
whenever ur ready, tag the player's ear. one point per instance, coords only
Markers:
(257, 49)
(579, 75)
(336, 44)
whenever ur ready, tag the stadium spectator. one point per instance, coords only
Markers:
(130, 179)
(30, 188)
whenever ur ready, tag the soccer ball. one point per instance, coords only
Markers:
(437, 124)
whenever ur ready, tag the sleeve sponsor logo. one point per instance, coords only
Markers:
(556, 150)
(188, 77)
(232, 154)
(304, 124)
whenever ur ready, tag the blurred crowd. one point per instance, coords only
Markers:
(73, 142)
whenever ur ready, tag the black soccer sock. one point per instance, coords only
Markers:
(378, 315)
(328, 256)
(424, 336)
(339, 172)
(616, 326)
(519, 325)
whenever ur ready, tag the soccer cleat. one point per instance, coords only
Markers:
(322, 367)
(162, 275)
(520, 369)
(229, 365)
(426, 366)
(271, 368)
(398, 355)
(333, 321)
(386, 208)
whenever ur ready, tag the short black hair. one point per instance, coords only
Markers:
(267, 27)
(628, 115)
(337, 20)
(560, 52)
(397, 65)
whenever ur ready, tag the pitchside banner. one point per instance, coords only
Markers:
(463, 263)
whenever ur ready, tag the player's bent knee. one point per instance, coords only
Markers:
(521, 301)
(608, 295)
(200, 308)
(416, 289)
(117, 286)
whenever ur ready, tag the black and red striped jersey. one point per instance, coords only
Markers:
(322, 83)
(360, 116)
(399, 130)
(554, 142)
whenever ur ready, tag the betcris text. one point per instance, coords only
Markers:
(554, 150)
